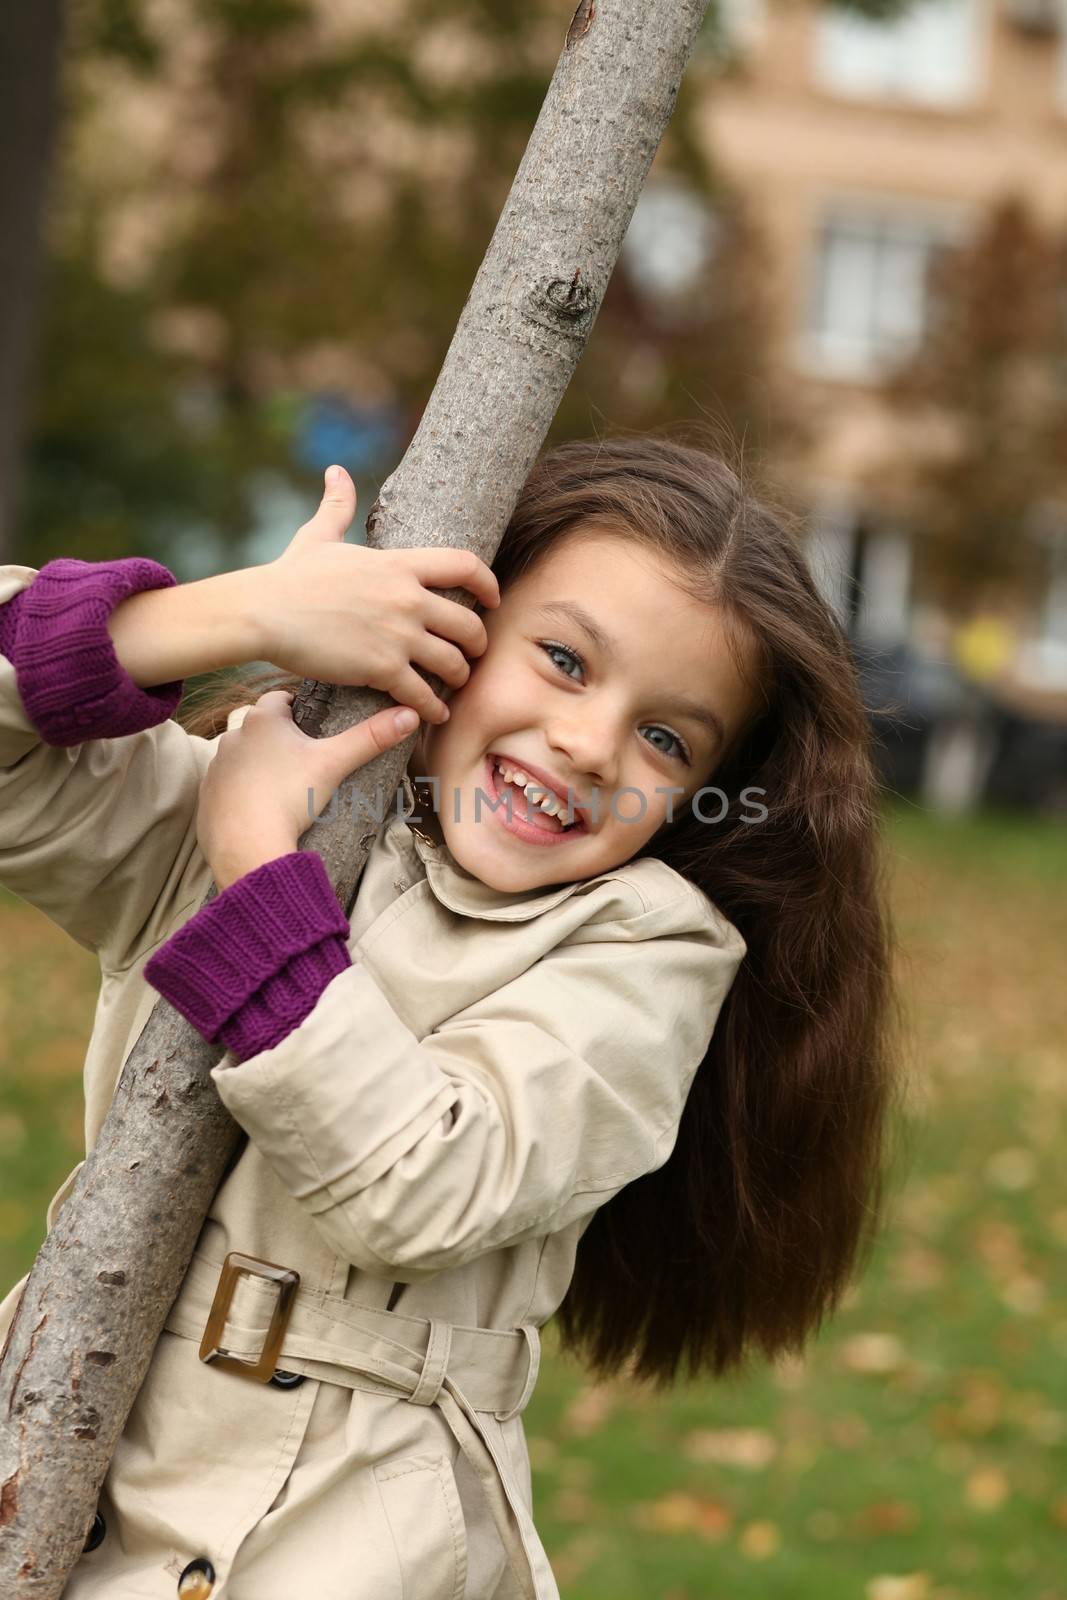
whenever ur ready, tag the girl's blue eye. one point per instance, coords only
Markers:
(679, 750)
(563, 650)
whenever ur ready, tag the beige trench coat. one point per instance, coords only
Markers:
(436, 1134)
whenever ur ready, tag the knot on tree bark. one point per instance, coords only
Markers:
(565, 305)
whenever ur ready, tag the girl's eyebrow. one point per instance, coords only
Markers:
(700, 713)
(571, 611)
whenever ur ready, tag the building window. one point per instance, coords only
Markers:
(862, 570)
(869, 303)
(734, 29)
(928, 54)
(670, 240)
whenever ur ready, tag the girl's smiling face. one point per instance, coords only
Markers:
(640, 692)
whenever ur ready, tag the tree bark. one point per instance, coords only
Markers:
(104, 1279)
(30, 37)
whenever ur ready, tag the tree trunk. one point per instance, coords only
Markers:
(30, 37)
(105, 1277)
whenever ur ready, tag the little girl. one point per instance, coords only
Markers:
(606, 1035)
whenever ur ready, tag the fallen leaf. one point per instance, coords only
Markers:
(589, 1410)
(714, 1520)
(1011, 1170)
(849, 1432)
(760, 1540)
(918, 1267)
(572, 1505)
(983, 1402)
(872, 1352)
(887, 1516)
(987, 1488)
(1024, 1294)
(680, 1512)
(908, 1586)
(927, 1204)
(542, 1451)
(1047, 1427)
(998, 1244)
(749, 1448)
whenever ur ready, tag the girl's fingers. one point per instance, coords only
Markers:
(452, 621)
(335, 511)
(446, 660)
(411, 689)
(357, 746)
(448, 568)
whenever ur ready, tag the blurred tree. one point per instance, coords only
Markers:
(119, 457)
(991, 379)
(29, 65)
(115, 453)
(270, 203)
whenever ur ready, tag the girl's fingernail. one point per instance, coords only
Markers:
(406, 720)
(332, 476)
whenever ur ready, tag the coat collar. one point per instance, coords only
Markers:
(459, 890)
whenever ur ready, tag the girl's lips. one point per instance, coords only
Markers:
(526, 831)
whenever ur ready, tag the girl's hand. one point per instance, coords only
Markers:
(346, 614)
(253, 803)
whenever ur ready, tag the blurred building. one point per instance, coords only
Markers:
(863, 146)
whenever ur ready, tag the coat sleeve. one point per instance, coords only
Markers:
(523, 1113)
(98, 787)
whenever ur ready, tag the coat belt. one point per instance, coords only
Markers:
(461, 1370)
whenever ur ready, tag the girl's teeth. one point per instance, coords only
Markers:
(551, 804)
(532, 790)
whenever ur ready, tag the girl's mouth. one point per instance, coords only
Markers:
(541, 828)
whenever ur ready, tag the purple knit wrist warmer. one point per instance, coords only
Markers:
(250, 965)
(70, 680)
(9, 621)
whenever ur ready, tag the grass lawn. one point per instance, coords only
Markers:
(919, 1452)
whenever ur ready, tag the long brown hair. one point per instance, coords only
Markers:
(771, 1199)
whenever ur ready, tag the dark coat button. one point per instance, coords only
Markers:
(287, 1380)
(197, 1580)
(96, 1534)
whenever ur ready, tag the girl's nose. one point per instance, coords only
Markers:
(589, 748)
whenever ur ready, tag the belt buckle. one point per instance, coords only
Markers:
(212, 1351)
